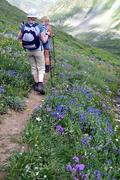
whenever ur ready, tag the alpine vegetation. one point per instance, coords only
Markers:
(74, 134)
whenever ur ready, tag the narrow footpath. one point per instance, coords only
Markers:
(12, 125)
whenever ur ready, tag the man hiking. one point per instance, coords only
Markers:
(33, 36)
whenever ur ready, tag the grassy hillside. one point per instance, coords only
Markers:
(76, 119)
(103, 41)
(74, 135)
(15, 83)
(10, 17)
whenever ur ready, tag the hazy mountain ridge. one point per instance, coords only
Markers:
(91, 21)
(78, 15)
(95, 22)
(92, 15)
(42, 6)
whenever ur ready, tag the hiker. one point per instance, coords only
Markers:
(48, 30)
(32, 36)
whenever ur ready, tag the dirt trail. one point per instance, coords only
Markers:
(11, 127)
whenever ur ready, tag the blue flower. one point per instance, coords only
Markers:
(75, 159)
(49, 109)
(60, 108)
(69, 168)
(59, 129)
(94, 110)
(85, 141)
(11, 73)
(79, 167)
(84, 177)
(55, 113)
(2, 90)
(97, 174)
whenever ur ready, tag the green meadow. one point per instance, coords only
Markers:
(74, 134)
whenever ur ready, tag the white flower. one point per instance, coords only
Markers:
(36, 168)
(38, 119)
(27, 167)
(37, 173)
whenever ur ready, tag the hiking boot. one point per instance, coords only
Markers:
(40, 88)
(47, 68)
(35, 86)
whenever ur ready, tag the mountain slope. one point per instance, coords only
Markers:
(15, 83)
(41, 5)
(95, 22)
(90, 15)
(76, 126)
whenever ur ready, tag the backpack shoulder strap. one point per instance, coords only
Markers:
(27, 25)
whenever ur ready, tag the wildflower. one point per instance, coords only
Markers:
(94, 111)
(75, 159)
(49, 109)
(69, 168)
(97, 174)
(45, 176)
(79, 167)
(38, 119)
(75, 178)
(2, 90)
(59, 108)
(11, 73)
(85, 142)
(84, 177)
(37, 173)
(59, 129)
(58, 115)
(55, 113)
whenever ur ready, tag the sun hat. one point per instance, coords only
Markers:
(32, 13)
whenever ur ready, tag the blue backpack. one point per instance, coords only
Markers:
(30, 36)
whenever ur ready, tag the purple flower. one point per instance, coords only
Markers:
(60, 108)
(84, 176)
(75, 178)
(97, 174)
(69, 168)
(58, 115)
(55, 113)
(59, 129)
(75, 159)
(79, 167)
(11, 73)
(2, 90)
(85, 141)
(49, 109)
(94, 111)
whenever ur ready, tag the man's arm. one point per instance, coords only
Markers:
(43, 37)
(20, 35)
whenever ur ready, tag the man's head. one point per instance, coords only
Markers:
(32, 14)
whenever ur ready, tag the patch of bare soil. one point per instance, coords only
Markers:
(11, 127)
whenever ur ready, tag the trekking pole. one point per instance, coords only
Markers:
(53, 48)
(51, 73)
(52, 58)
